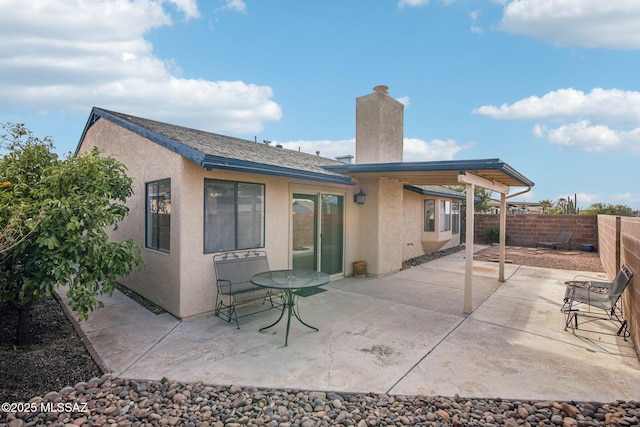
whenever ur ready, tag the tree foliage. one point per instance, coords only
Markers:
(564, 205)
(482, 197)
(56, 214)
(608, 209)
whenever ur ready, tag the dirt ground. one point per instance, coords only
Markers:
(56, 359)
(543, 257)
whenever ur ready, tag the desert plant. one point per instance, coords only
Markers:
(492, 235)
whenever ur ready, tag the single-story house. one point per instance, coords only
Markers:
(198, 193)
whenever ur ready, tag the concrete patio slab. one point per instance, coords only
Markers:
(401, 334)
(489, 361)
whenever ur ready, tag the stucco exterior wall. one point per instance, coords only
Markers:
(379, 128)
(183, 281)
(381, 218)
(198, 276)
(159, 280)
(416, 241)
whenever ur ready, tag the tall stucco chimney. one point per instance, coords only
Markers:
(379, 127)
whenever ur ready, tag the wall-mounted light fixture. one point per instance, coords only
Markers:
(359, 197)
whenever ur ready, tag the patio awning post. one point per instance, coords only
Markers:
(468, 264)
(503, 235)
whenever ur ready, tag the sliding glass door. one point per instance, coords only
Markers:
(318, 232)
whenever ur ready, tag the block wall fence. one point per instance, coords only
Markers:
(529, 229)
(617, 240)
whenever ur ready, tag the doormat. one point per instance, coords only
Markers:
(307, 292)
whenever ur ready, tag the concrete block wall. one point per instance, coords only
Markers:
(609, 242)
(529, 229)
(622, 240)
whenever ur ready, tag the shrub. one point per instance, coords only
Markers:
(492, 235)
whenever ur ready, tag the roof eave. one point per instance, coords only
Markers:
(216, 162)
(168, 143)
(445, 165)
(433, 192)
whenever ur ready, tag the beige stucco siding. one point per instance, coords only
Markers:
(198, 277)
(380, 226)
(417, 242)
(183, 281)
(146, 162)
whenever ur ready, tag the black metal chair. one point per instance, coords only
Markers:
(600, 300)
(563, 239)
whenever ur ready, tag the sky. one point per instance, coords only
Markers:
(550, 87)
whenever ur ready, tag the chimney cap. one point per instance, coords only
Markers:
(346, 159)
(382, 88)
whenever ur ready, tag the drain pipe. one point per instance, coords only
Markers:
(519, 193)
(503, 230)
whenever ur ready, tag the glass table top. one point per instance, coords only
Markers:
(290, 279)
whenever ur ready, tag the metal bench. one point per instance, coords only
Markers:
(600, 300)
(233, 272)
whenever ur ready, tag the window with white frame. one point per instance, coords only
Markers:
(445, 215)
(233, 215)
(455, 217)
(429, 215)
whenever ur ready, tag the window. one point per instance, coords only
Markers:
(455, 217)
(429, 215)
(445, 215)
(233, 215)
(158, 215)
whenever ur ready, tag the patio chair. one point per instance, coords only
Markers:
(600, 300)
(563, 239)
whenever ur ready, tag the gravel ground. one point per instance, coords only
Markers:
(121, 402)
(83, 396)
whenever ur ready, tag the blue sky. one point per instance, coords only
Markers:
(548, 86)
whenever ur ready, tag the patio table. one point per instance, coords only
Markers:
(290, 281)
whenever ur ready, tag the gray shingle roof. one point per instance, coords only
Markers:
(214, 151)
(435, 190)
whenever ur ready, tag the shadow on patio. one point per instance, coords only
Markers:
(400, 334)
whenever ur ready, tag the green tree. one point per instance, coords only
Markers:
(481, 194)
(482, 199)
(546, 205)
(608, 209)
(58, 212)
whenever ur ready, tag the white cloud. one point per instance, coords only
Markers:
(188, 7)
(587, 23)
(235, 5)
(591, 138)
(71, 55)
(419, 150)
(404, 100)
(600, 121)
(413, 3)
(415, 150)
(587, 199)
(475, 17)
(612, 105)
(629, 199)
